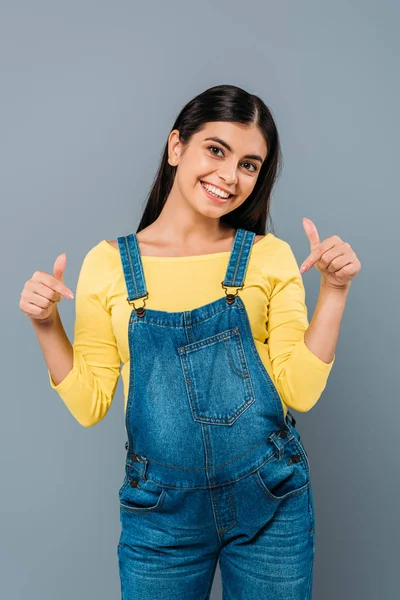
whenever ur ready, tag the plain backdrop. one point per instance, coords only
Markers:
(89, 92)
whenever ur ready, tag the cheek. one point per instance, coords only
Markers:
(204, 166)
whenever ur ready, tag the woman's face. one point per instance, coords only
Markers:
(231, 161)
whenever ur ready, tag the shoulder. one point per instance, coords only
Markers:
(270, 243)
(100, 259)
(103, 249)
(101, 267)
(274, 255)
(274, 243)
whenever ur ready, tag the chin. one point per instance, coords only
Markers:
(209, 211)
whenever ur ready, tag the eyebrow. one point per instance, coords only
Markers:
(227, 146)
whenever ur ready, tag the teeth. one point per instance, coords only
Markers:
(214, 190)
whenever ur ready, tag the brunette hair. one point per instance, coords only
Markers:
(223, 103)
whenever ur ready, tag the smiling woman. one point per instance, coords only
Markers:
(206, 311)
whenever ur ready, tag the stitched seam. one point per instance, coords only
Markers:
(147, 320)
(240, 373)
(139, 262)
(205, 487)
(157, 506)
(128, 254)
(271, 496)
(239, 258)
(209, 341)
(215, 466)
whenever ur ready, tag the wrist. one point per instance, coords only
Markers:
(49, 322)
(339, 290)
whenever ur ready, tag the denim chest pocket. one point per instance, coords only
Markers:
(217, 377)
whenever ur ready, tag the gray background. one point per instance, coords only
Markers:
(89, 91)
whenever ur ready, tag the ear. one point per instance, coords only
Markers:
(174, 147)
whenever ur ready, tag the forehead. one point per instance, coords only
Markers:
(243, 139)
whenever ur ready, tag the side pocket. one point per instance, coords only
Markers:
(282, 478)
(137, 495)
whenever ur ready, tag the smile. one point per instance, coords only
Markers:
(216, 193)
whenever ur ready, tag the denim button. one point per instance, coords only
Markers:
(282, 434)
(134, 483)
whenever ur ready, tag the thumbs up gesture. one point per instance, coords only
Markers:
(41, 293)
(334, 258)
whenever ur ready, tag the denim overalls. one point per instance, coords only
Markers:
(213, 469)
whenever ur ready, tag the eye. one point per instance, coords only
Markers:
(251, 164)
(215, 148)
(245, 163)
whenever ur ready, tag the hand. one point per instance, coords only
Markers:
(335, 259)
(41, 293)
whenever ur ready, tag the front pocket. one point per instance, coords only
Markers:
(217, 378)
(136, 495)
(281, 478)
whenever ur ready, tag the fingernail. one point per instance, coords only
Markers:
(303, 269)
(69, 295)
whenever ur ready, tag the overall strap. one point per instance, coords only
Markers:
(239, 258)
(132, 265)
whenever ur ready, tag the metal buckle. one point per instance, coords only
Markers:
(140, 311)
(230, 298)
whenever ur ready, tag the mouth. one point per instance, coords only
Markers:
(216, 197)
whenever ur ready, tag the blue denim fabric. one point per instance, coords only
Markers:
(214, 470)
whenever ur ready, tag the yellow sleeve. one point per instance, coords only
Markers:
(299, 374)
(89, 388)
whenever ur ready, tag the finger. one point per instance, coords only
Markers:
(59, 266)
(349, 270)
(53, 283)
(339, 262)
(36, 288)
(331, 255)
(31, 310)
(311, 231)
(37, 300)
(316, 254)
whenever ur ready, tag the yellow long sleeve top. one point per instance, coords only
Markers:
(273, 294)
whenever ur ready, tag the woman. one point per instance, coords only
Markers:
(207, 313)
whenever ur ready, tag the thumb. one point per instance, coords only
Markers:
(311, 232)
(59, 266)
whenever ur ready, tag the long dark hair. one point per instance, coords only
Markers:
(223, 103)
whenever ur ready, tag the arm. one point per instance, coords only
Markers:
(322, 334)
(88, 387)
(56, 347)
(300, 374)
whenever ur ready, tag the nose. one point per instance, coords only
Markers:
(229, 176)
